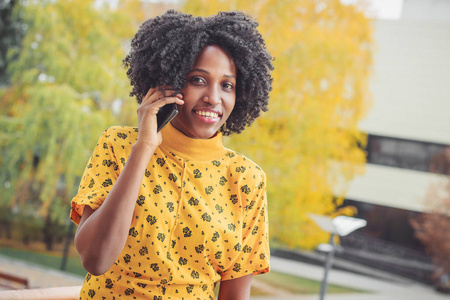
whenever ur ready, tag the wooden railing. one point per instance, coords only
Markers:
(9, 281)
(60, 293)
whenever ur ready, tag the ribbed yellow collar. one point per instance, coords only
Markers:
(189, 148)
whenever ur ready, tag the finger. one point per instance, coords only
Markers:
(178, 99)
(147, 96)
(160, 93)
(167, 92)
(155, 105)
(162, 90)
(157, 93)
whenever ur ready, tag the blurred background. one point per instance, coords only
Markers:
(358, 125)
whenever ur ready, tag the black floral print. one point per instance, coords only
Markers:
(200, 217)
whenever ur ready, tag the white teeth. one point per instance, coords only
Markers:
(208, 114)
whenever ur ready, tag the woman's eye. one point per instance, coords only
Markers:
(228, 86)
(197, 80)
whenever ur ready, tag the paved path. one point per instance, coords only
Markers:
(38, 276)
(394, 289)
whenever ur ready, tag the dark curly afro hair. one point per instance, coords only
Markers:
(165, 49)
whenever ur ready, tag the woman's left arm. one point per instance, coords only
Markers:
(236, 289)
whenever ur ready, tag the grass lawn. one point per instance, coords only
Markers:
(46, 260)
(299, 285)
(274, 280)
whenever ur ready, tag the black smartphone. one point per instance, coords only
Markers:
(166, 114)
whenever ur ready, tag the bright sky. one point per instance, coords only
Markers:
(382, 9)
(379, 9)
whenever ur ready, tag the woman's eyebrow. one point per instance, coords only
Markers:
(199, 70)
(206, 72)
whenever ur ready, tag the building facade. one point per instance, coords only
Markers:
(408, 126)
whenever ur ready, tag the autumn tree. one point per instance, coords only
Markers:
(65, 83)
(68, 77)
(432, 228)
(11, 33)
(308, 143)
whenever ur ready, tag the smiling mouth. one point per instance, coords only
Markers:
(208, 114)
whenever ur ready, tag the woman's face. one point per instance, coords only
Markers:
(209, 95)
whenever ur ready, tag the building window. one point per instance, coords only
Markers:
(387, 224)
(407, 154)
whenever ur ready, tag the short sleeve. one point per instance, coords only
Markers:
(254, 252)
(98, 178)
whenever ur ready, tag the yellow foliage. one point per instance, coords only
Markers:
(67, 74)
(65, 81)
(308, 143)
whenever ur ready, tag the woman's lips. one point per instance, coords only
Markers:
(207, 116)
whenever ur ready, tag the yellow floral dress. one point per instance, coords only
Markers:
(200, 217)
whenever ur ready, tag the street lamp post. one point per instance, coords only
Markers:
(328, 262)
(341, 226)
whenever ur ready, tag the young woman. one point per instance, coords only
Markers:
(169, 214)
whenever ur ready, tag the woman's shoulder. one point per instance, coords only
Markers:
(120, 133)
(121, 129)
(243, 164)
(119, 138)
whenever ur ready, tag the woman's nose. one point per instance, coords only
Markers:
(212, 97)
